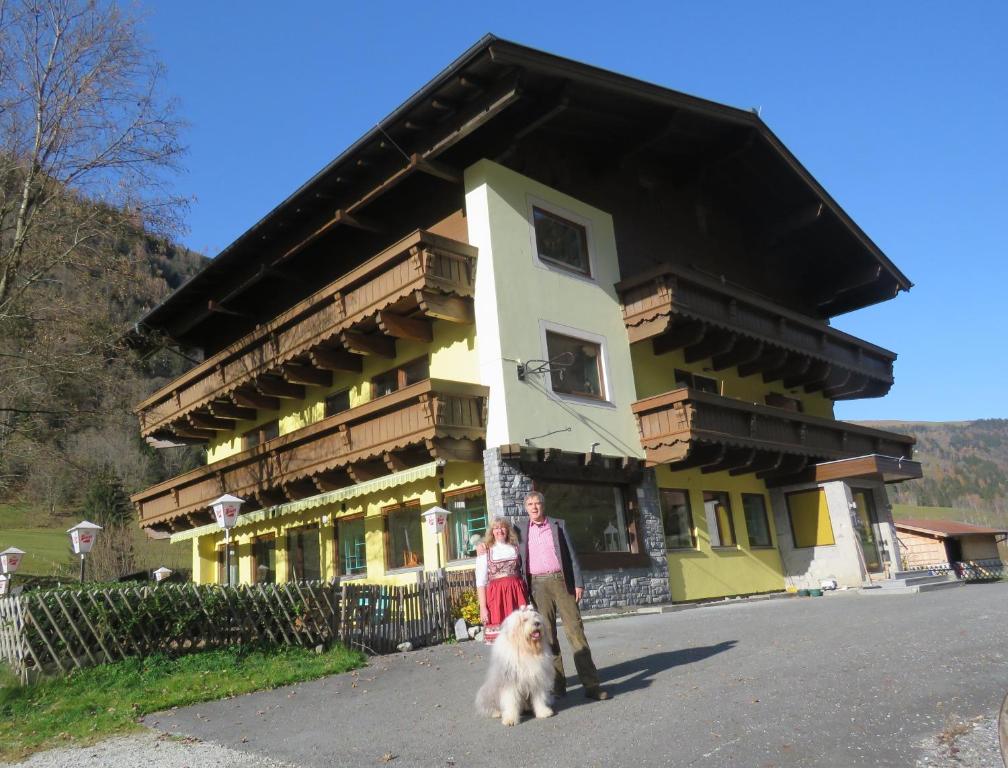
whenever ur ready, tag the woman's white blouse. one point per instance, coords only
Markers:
(500, 552)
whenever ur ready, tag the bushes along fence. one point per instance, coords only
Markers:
(59, 630)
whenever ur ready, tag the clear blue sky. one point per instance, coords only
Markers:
(900, 109)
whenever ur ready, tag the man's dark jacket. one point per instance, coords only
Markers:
(564, 548)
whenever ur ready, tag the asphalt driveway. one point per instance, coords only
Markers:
(843, 680)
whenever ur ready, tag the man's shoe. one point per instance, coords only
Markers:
(597, 694)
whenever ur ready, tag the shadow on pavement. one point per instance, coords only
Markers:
(639, 672)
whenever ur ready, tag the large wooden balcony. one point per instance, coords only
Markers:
(683, 309)
(687, 428)
(394, 295)
(430, 419)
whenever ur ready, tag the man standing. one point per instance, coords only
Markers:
(554, 577)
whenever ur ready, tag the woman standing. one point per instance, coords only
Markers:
(499, 582)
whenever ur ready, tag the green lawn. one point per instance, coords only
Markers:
(98, 702)
(47, 546)
(46, 550)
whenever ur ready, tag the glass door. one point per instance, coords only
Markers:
(866, 523)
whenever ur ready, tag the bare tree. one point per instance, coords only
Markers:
(86, 143)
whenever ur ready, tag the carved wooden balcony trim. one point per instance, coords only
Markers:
(678, 308)
(430, 419)
(420, 278)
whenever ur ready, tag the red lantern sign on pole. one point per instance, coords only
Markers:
(82, 539)
(10, 559)
(435, 519)
(225, 511)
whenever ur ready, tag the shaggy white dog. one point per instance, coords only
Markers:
(521, 670)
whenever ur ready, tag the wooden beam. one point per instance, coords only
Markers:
(454, 309)
(216, 308)
(227, 410)
(276, 387)
(817, 373)
(681, 335)
(744, 351)
(361, 473)
(857, 384)
(452, 449)
(436, 169)
(332, 480)
(206, 421)
(796, 364)
(193, 433)
(305, 374)
(401, 327)
(761, 461)
(330, 359)
(733, 459)
(793, 465)
(299, 489)
(393, 461)
(249, 398)
(768, 361)
(715, 342)
(363, 344)
(357, 221)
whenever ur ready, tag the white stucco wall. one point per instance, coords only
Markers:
(518, 299)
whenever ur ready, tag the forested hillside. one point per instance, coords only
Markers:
(69, 442)
(965, 466)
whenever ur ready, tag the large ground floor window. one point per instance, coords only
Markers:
(264, 559)
(304, 556)
(677, 518)
(403, 536)
(222, 575)
(467, 521)
(352, 547)
(595, 515)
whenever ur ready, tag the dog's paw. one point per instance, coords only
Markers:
(544, 712)
(508, 720)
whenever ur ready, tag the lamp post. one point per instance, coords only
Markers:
(225, 511)
(10, 559)
(435, 519)
(82, 539)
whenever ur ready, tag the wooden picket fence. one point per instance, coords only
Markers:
(59, 630)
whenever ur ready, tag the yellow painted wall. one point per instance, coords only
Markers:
(456, 475)
(655, 374)
(810, 518)
(706, 571)
(452, 353)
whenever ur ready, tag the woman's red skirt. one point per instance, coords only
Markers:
(503, 595)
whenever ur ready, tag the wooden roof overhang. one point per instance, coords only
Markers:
(574, 466)
(677, 308)
(394, 295)
(886, 469)
(491, 103)
(428, 420)
(686, 429)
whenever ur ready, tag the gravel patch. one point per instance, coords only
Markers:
(149, 749)
(963, 744)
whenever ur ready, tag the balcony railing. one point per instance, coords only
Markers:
(687, 428)
(681, 309)
(432, 418)
(393, 295)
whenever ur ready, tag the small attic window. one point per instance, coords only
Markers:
(561, 242)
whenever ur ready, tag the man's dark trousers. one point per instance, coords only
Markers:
(550, 595)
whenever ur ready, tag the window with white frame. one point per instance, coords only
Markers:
(561, 242)
(575, 366)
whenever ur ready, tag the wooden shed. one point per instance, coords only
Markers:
(934, 542)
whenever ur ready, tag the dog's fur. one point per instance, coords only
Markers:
(521, 670)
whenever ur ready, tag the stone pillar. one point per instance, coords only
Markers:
(506, 487)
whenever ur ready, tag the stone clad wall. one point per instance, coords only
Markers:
(506, 487)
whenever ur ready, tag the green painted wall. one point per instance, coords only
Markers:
(517, 297)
